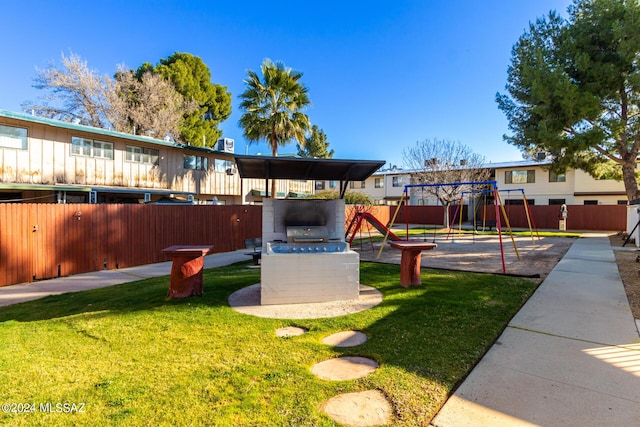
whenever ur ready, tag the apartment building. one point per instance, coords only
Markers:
(541, 186)
(49, 161)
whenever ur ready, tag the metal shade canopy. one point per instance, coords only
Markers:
(267, 167)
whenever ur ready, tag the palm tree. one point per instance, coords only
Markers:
(273, 107)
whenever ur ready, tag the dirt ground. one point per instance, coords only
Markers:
(629, 267)
(482, 254)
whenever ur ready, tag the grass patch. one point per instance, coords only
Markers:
(134, 358)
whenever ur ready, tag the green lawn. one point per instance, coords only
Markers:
(133, 358)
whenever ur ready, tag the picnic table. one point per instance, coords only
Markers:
(410, 260)
(186, 270)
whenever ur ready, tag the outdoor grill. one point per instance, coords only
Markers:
(305, 258)
(307, 240)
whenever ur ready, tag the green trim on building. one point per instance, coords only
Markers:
(105, 132)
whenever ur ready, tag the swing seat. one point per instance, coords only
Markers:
(489, 223)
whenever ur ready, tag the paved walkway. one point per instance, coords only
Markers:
(99, 279)
(570, 357)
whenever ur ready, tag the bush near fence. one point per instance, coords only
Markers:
(40, 241)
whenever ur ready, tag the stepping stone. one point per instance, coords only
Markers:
(344, 368)
(366, 408)
(345, 339)
(290, 331)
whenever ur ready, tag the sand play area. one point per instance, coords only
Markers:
(479, 253)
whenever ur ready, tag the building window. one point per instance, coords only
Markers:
(622, 202)
(220, 165)
(396, 181)
(91, 148)
(319, 185)
(333, 184)
(557, 201)
(590, 202)
(13, 137)
(142, 155)
(352, 184)
(363, 184)
(196, 162)
(557, 177)
(520, 177)
(378, 183)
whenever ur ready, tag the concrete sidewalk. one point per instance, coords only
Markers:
(99, 279)
(570, 357)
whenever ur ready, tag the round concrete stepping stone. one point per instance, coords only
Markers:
(290, 331)
(344, 368)
(345, 339)
(365, 408)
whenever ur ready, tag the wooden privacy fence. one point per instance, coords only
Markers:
(579, 217)
(39, 241)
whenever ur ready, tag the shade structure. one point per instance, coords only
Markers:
(267, 167)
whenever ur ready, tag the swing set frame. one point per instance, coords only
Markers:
(499, 208)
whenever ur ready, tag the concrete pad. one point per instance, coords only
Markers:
(591, 248)
(598, 268)
(529, 378)
(571, 356)
(580, 306)
(345, 339)
(344, 368)
(365, 408)
(247, 301)
(290, 331)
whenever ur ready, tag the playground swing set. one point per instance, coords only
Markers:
(360, 217)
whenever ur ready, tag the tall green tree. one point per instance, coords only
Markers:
(191, 78)
(574, 88)
(273, 107)
(315, 145)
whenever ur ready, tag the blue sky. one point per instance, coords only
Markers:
(381, 74)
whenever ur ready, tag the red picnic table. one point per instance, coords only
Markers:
(410, 260)
(186, 269)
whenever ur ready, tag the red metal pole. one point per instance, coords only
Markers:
(405, 194)
(496, 201)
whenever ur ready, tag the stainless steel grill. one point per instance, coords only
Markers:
(307, 240)
(307, 234)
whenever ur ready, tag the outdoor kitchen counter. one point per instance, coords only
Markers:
(186, 270)
(410, 260)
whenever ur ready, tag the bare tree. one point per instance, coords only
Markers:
(148, 106)
(444, 162)
(76, 93)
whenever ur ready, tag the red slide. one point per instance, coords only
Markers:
(375, 223)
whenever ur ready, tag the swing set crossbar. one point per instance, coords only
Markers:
(453, 184)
